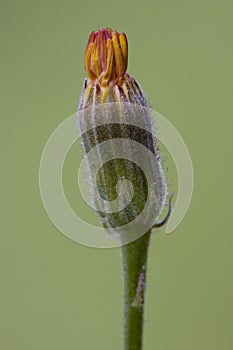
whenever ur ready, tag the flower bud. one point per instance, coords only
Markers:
(127, 183)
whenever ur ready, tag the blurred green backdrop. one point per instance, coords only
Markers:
(56, 294)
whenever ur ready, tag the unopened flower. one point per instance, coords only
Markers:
(126, 178)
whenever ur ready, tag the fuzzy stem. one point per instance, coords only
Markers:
(134, 268)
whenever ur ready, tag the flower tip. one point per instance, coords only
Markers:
(106, 56)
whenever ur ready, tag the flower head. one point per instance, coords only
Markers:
(106, 57)
(106, 60)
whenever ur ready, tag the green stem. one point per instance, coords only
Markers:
(134, 268)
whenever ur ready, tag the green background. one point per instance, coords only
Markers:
(57, 294)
